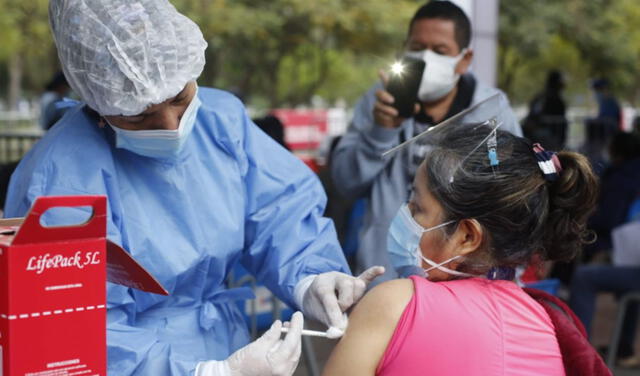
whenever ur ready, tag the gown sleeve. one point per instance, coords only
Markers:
(286, 236)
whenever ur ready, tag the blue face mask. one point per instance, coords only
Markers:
(160, 143)
(403, 245)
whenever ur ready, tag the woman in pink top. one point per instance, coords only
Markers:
(473, 217)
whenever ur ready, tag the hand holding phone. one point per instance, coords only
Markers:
(404, 82)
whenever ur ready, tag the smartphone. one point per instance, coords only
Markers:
(404, 83)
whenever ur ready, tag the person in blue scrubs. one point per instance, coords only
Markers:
(193, 187)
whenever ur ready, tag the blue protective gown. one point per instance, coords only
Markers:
(231, 195)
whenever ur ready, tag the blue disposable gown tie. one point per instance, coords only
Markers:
(231, 195)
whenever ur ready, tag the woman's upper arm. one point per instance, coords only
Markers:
(371, 326)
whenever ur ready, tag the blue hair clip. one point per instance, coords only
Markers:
(493, 158)
(492, 149)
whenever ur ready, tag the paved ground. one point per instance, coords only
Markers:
(603, 326)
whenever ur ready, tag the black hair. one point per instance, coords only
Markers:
(520, 212)
(57, 81)
(446, 10)
(600, 84)
(555, 81)
(272, 126)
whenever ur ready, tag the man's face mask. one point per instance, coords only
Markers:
(160, 143)
(439, 76)
(403, 245)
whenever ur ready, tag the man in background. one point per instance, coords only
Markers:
(54, 92)
(440, 34)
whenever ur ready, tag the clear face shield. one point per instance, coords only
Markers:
(483, 112)
(477, 118)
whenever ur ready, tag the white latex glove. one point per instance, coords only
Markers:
(266, 356)
(330, 294)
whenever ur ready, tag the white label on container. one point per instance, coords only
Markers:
(70, 367)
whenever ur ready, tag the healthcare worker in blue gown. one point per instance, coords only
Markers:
(193, 187)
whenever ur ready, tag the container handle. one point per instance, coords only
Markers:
(32, 230)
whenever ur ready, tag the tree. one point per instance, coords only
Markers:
(27, 43)
(271, 52)
(288, 50)
(586, 39)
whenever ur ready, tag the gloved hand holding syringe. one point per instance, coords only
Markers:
(325, 298)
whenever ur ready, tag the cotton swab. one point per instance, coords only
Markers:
(332, 333)
(307, 332)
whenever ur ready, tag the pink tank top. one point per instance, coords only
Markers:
(472, 327)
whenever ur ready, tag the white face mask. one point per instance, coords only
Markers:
(439, 76)
(159, 143)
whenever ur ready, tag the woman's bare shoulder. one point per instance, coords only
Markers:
(387, 301)
(371, 326)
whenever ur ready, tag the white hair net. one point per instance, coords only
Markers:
(121, 56)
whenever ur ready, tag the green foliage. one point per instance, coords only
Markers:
(282, 52)
(24, 32)
(275, 52)
(584, 39)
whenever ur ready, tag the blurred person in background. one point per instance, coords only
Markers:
(547, 122)
(55, 91)
(273, 127)
(338, 208)
(346, 213)
(608, 107)
(620, 190)
(619, 187)
(440, 33)
(619, 278)
(604, 125)
(194, 188)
